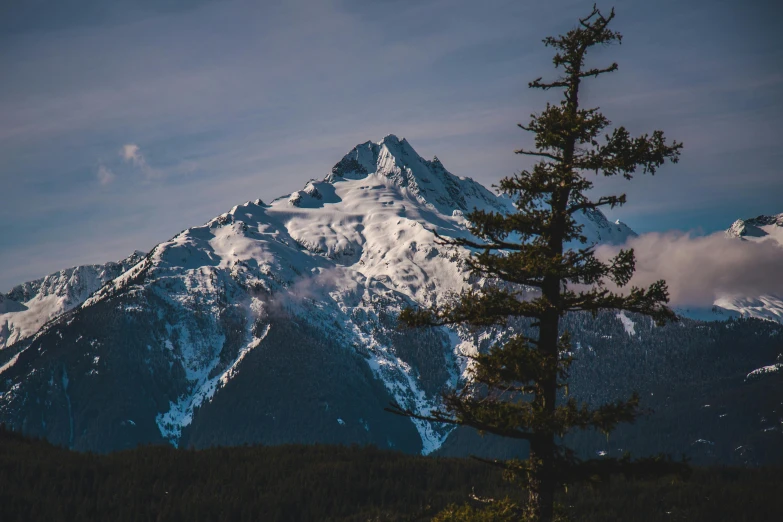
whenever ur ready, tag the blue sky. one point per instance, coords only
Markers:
(122, 123)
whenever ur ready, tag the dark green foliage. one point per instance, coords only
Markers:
(41, 482)
(514, 390)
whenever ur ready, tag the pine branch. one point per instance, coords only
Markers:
(612, 201)
(538, 154)
(595, 72)
(622, 154)
(396, 409)
(501, 464)
(536, 84)
(489, 308)
(647, 301)
(585, 21)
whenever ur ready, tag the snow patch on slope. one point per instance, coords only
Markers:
(773, 368)
(180, 414)
(767, 307)
(10, 363)
(628, 324)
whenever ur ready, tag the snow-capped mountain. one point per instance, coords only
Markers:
(25, 309)
(199, 342)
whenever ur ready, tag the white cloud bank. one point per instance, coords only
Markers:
(700, 269)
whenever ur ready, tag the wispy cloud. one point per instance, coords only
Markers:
(105, 175)
(131, 153)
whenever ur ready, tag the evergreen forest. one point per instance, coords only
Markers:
(43, 482)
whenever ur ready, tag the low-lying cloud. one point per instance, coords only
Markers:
(315, 288)
(698, 269)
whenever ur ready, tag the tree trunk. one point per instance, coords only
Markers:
(542, 447)
(541, 491)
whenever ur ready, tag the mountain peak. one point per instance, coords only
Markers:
(391, 139)
(429, 182)
(395, 160)
(758, 228)
(363, 158)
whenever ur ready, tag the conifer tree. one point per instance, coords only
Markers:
(518, 389)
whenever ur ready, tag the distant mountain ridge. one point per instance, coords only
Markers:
(758, 228)
(26, 307)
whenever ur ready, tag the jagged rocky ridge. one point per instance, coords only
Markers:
(761, 227)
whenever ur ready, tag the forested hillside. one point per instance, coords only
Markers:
(693, 379)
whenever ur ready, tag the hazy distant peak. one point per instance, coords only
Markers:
(758, 228)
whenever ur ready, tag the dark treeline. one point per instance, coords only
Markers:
(39, 481)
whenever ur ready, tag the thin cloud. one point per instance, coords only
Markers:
(105, 175)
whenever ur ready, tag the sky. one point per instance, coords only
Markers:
(124, 122)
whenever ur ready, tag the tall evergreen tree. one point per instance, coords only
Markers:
(516, 389)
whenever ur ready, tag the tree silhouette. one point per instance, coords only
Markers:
(518, 389)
